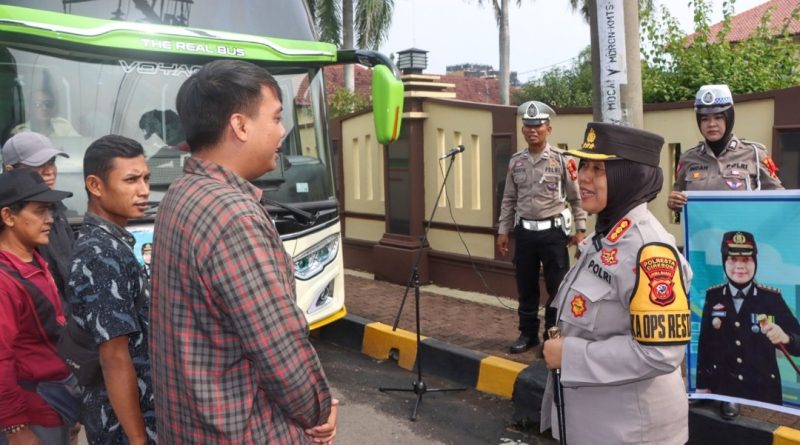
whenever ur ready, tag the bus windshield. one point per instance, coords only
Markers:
(75, 101)
(285, 19)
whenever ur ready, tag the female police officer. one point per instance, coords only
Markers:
(622, 309)
(722, 161)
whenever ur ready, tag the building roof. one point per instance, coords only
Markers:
(472, 89)
(744, 24)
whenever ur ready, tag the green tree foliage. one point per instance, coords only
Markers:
(675, 66)
(344, 101)
(561, 87)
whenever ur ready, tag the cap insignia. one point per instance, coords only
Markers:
(590, 138)
(708, 98)
(739, 238)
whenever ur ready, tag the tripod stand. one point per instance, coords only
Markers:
(418, 386)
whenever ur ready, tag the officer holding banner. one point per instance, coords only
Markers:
(743, 323)
(722, 161)
(540, 189)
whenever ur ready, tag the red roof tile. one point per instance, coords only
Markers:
(472, 89)
(744, 24)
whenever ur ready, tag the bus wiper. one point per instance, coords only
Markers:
(300, 215)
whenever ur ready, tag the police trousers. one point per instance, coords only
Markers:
(535, 250)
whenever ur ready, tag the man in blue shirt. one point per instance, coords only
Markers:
(110, 294)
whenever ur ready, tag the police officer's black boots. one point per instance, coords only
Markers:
(523, 343)
(728, 410)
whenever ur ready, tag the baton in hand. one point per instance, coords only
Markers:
(762, 321)
(558, 392)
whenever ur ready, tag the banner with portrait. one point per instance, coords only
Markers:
(744, 249)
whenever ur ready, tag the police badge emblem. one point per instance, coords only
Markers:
(660, 271)
(591, 136)
(578, 306)
(708, 98)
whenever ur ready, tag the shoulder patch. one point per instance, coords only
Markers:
(717, 286)
(572, 168)
(659, 305)
(618, 230)
(770, 165)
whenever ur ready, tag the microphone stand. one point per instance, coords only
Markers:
(418, 386)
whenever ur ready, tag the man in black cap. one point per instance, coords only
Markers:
(540, 202)
(31, 315)
(36, 152)
(743, 323)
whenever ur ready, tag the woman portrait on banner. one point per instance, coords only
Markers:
(623, 310)
(744, 324)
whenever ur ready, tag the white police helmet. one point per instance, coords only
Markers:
(535, 113)
(712, 99)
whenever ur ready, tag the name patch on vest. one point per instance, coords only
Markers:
(599, 271)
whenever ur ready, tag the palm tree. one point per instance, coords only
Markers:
(501, 15)
(334, 20)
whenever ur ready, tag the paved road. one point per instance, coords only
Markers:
(368, 416)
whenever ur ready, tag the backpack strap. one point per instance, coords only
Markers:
(49, 328)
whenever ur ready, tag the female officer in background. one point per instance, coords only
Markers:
(722, 161)
(622, 309)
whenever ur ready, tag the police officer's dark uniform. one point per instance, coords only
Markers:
(540, 188)
(734, 357)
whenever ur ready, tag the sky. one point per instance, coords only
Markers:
(544, 33)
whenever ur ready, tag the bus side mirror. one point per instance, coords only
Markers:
(387, 104)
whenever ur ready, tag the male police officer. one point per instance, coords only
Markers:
(722, 161)
(742, 324)
(540, 188)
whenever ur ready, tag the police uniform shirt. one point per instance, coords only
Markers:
(536, 187)
(734, 357)
(741, 166)
(618, 389)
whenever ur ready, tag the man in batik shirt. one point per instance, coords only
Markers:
(110, 294)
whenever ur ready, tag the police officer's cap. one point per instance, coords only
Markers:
(606, 142)
(535, 113)
(738, 243)
(712, 99)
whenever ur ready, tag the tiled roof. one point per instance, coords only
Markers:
(472, 89)
(745, 23)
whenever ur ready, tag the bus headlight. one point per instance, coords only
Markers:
(313, 260)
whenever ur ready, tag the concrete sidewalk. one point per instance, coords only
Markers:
(468, 335)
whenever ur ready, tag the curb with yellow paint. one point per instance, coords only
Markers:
(497, 376)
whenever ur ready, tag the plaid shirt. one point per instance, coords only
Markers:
(232, 363)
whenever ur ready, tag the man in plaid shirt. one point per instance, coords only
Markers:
(231, 359)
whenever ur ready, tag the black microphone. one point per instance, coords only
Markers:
(453, 151)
